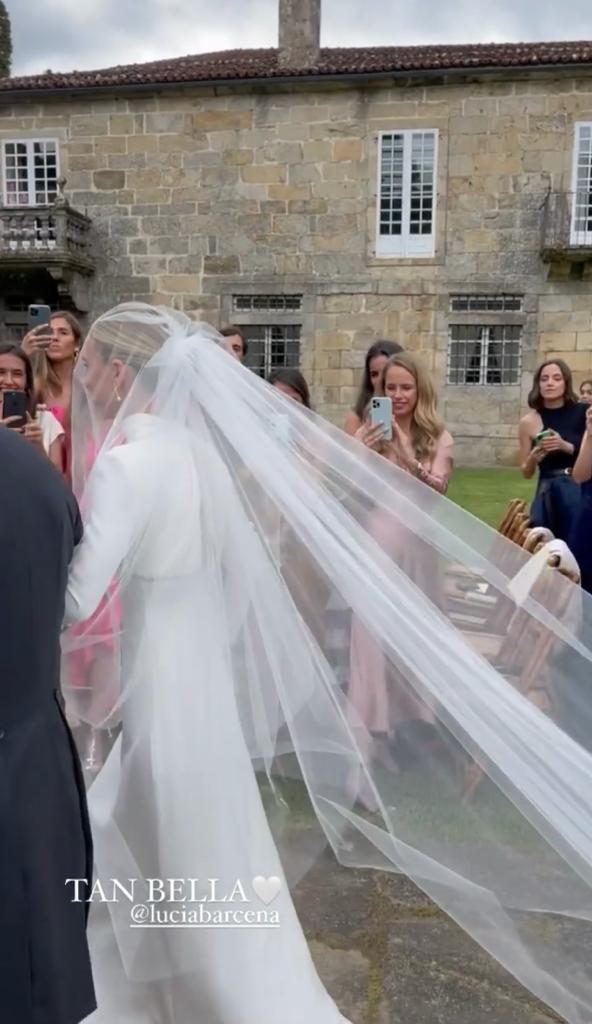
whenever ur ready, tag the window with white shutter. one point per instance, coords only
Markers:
(581, 219)
(406, 214)
(29, 172)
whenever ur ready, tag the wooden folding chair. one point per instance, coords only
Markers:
(523, 654)
(514, 507)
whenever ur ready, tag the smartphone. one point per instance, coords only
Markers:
(38, 316)
(14, 403)
(381, 413)
(542, 434)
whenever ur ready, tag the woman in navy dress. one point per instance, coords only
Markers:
(554, 409)
(581, 540)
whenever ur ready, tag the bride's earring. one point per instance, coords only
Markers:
(117, 397)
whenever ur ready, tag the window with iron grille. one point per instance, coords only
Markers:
(266, 303)
(486, 303)
(271, 346)
(484, 354)
(407, 164)
(581, 220)
(30, 172)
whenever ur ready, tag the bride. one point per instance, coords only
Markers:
(208, 501)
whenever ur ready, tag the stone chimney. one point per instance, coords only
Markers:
(300, 33)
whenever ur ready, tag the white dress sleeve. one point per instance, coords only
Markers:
(51, 428)
(109, 533)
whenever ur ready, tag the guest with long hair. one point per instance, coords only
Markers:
(376, 359)
(550, 436)
(292, 383)
(42, 428)
(53, 350)
(421, 446)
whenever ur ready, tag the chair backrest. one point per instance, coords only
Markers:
(519, 528)
(535, 539)
(516, 507)
(525, 652)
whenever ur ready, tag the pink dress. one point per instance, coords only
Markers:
(85, 665)
(380, 696)
(61, 414)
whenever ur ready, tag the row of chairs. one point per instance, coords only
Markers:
(498, 626)
(516, 526)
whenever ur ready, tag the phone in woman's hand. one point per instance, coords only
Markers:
(542, 434)
(381, 414)
(14, 404)
(38, 316)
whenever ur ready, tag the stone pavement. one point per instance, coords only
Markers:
(389, 956)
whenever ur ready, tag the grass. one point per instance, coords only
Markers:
(426, 807)
(420, 805)
(486, 492)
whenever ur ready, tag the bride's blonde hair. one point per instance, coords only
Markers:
(426, 425)
(134, 333)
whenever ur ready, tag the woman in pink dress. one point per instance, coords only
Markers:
(53, 349)
(375, 361)
(423, 447)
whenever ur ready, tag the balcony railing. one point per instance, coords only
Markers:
(45, 236)
(567, 226)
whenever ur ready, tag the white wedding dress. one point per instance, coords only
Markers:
(213, 542)
(178, 796)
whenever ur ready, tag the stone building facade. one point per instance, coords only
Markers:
(441, 197)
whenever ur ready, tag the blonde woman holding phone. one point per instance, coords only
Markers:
(422, 447)
(53, 348)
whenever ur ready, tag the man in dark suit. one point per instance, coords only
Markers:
(45, 975)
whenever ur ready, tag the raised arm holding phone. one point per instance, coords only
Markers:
(52, 342)
(403, 424)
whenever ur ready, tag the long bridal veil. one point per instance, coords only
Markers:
(383, 650)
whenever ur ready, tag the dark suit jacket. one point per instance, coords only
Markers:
(45, 973)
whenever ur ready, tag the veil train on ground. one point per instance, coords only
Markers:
(313, 551)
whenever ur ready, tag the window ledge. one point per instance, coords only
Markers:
(405, 261)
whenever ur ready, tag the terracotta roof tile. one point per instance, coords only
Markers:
(264, 64)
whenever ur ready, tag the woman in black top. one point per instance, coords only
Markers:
(554, 410)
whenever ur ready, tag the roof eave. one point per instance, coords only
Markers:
(312, 79)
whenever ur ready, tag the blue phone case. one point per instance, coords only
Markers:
(381, 412)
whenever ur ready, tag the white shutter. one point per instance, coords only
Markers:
(29, 171)
(581, 219)
(406, 199)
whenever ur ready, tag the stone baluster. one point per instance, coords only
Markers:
(60, 227)
(14, 232)
(28, 233)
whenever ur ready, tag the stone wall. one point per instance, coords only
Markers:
(202, 194)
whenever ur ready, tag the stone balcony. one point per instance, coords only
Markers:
(54, 238)
(567, 227)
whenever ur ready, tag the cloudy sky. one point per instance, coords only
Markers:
(67, 35)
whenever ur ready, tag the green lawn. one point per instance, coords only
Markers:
(486, 492)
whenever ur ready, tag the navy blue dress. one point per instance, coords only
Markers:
(580, 541)
(557, 497)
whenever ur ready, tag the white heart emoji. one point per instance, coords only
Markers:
(266, 888)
